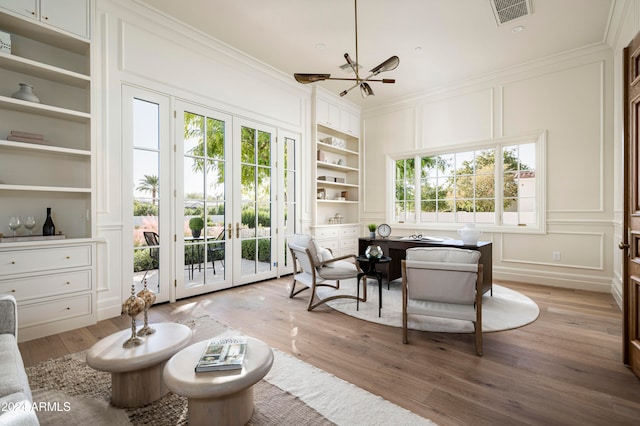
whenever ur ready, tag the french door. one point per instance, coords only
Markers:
(203, 197)
(255, 207)
(214, 199)
(227, 213)
(631, 244)
(146, 191)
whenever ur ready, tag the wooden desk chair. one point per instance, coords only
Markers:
(443, 282)
(315, 267)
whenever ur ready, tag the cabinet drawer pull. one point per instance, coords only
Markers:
(13, 290)
(68, 308)
(13, 262)
(46, 18)
(68, 257)
(68, 282)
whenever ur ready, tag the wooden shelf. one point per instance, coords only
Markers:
(44, 148)
(336, 184)
(42, 33)
(40, 188)
(44, 110)
(338, 201)
(335, 149)
(322, 164)
(44, 71)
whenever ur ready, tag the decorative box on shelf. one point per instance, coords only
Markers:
(5, 42)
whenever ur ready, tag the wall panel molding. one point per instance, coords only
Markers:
(567, 243)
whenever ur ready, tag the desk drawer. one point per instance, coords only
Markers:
(47, 285)
(54, 310)
(21, 261)
(349, 244)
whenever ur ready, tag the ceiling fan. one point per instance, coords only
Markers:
(366, 90)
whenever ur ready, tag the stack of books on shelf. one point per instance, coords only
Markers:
(19, 136)
(223, 354)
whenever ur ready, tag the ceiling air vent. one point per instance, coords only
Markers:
(508, 10)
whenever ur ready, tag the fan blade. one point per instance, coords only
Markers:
(386, 80)
(388, 65)
(310, 78)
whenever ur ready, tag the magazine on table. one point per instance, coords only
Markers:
(226, 353)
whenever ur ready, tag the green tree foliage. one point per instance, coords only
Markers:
(150, 183)
(433, 195)
(472, 184)
(144, 209)
(476, 179)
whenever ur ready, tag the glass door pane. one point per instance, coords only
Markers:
(289, 196)
(145, 189)
(146, 194)
(257, 209)
(202, 198)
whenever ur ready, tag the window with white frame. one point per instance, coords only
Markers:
(492, 184)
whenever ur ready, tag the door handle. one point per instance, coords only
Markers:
(623, 246)
(237, 229)
(230, 230)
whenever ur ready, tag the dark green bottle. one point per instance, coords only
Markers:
(48, 228)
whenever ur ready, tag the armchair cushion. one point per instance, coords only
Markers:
(443, 282)
(8, 315)
(438, 267)
(444, 254)
(439, 275)
(339, 270)
(318, 253)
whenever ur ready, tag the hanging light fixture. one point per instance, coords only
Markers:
(365, 89)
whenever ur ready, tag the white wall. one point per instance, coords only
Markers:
(136, 46)
(569, 98)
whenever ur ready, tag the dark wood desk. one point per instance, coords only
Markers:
(395, 247)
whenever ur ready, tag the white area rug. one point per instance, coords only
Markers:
(337, 400)
(84, 393)
(506, 309)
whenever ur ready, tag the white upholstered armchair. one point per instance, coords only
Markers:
(443, 282)
(315, 266)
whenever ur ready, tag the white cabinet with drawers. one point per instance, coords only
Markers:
(340, 239)
(53, 284)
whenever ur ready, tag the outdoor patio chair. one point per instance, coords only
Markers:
(215, 247)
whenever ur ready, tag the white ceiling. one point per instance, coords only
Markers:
(459, 39)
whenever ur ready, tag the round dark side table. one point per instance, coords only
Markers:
(368, 266)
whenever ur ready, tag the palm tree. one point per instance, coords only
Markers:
(150, 183)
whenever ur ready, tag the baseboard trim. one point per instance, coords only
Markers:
(575, 282)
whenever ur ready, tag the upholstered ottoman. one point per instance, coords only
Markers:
(218, 397)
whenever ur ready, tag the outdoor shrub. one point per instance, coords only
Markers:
(143, 261)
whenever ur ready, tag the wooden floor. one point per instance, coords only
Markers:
(564, 369)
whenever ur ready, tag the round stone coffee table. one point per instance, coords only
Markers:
(218, 397)
(136, 373)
